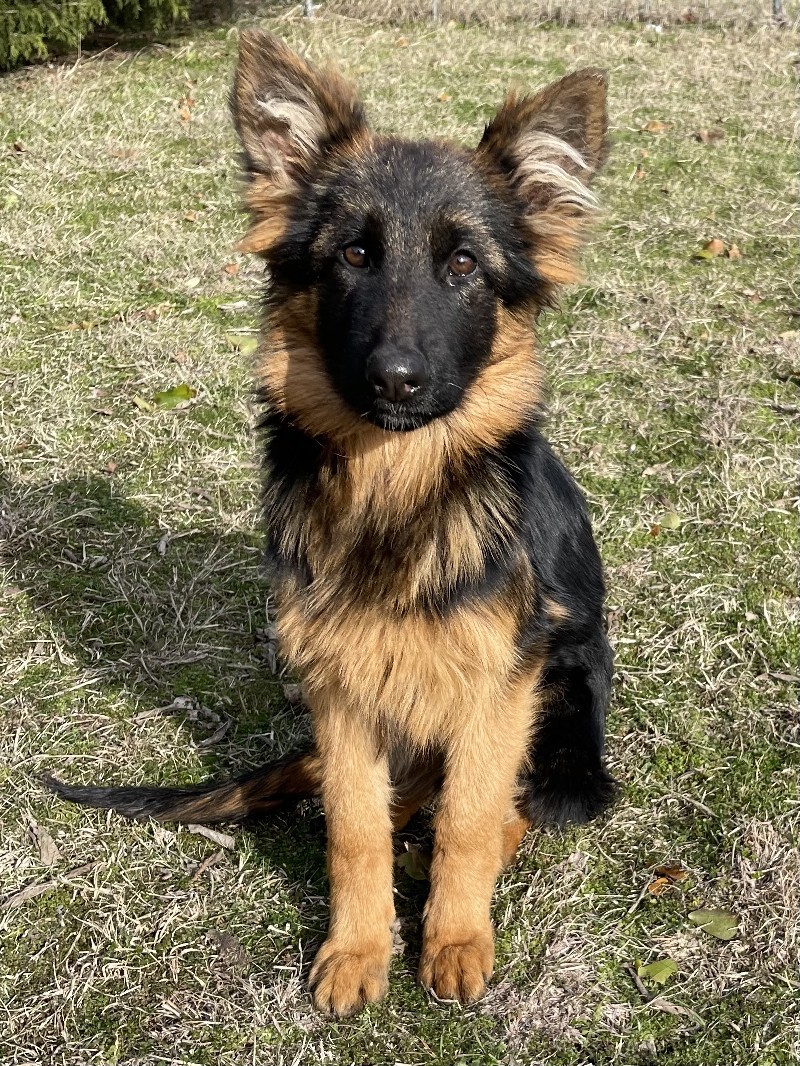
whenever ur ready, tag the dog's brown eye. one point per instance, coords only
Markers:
(461, 264)
(355, 255)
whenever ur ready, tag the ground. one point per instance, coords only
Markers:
(134, 615)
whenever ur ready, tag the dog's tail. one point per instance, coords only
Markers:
(278, 784)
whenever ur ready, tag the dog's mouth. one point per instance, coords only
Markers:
(396, 418)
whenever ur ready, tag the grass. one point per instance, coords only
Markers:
(134, 614)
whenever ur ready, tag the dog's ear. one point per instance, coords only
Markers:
(289, 115)
(549, 147)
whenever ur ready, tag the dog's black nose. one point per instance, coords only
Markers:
(396, 376)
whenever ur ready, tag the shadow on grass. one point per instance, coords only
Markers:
(172, 621)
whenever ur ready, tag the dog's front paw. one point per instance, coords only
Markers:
(457, 970)
(344, 978)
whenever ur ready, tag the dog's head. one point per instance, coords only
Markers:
(405, 266)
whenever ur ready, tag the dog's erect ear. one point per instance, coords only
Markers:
(288, 115)
(549, 147)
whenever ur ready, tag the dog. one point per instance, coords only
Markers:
(436, 581)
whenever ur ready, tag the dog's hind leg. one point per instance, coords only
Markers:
(352, 966)
(567, 780)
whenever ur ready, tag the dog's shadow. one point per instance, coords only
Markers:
(172, 621)
(166, 622)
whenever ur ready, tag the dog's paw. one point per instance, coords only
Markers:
(457, 970)
(345, 979)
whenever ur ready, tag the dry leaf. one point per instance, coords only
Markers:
(110, 467)
(231, 269)
(401, 42)
(665, 876)
(711, 249)
(655, 126)
(293, 694)
(224, 840)
(443, 97)
(32, 891)
(230, 950)
(705, 136)
(207, 863)
(48, 852)
(733, 252)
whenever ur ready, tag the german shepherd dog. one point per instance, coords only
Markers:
(436, 581)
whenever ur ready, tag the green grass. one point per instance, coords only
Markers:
(131, 577)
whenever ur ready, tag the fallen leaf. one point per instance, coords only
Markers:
(48, 852)
(415, 862)
(142, 404)
(718, 923)
(655, 530)
(224, 840)
(230, 949)
(670, 520)
(231, 269)
(293, 694)
(640, 173)
(110, 467)
(674, 1008)
(124, 153)
(655, 126)
(710, 250)
(207, 863)
(245, 342)
(443, 97)
(705, 136)
(733, 252)
(659, 972)
(32, 891)
(191, 216)
(401, 42)
(217, 735)
(171, 398)
(665, 877)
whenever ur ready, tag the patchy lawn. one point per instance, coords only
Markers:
(133, 610)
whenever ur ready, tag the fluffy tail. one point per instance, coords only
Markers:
(276, 785)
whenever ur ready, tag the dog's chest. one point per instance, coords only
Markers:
(366, 580)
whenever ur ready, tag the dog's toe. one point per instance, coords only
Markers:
(344, 979)
(458, 971)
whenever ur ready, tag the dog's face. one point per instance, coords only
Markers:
(410, 253)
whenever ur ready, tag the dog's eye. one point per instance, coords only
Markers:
(461, 264)
(356, 256)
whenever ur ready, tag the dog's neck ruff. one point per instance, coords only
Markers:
(412, 465)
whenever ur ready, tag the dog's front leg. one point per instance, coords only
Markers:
(481, 767)
(351, 967)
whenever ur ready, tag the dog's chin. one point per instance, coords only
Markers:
(395, 419)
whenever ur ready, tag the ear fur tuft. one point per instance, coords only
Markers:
(549, 147)
(289, 115)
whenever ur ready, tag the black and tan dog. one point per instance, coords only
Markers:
(437, 585)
